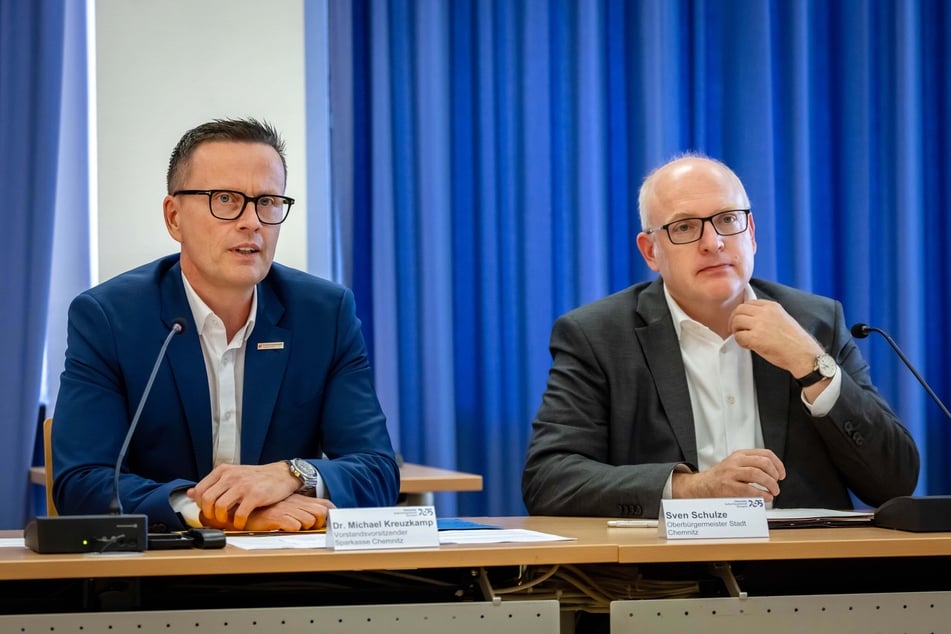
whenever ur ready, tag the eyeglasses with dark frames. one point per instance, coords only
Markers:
(687, 230)
(226, 204)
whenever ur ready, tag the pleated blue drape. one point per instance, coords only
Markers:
(503, 144)
(31, 51)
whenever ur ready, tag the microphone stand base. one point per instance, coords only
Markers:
(923, 514)
(87, 534)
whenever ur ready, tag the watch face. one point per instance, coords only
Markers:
(826, 365)
(306, 469)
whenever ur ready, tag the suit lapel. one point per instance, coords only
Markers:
(662, 352)
(264, 368)
(188, 367)
(772, 399)
(772, 395)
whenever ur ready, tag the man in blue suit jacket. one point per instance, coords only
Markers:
(263, 415)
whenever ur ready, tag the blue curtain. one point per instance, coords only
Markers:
(31, 58)
(501, 145)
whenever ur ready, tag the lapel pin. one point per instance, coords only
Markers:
(271, 345)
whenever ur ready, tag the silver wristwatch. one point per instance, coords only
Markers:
(305, 472)
(824, 367)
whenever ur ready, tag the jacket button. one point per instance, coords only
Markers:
(638, 510)
(849, 426)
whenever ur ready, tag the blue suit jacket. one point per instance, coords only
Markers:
(313, 397)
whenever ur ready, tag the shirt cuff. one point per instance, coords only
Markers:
(186, 508)
(827, 399)
(320, 488)
(669, 487)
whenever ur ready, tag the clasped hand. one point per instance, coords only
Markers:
(257, 498)
(744, 473)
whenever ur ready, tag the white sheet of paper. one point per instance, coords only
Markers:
(319, 540)
(497, 536)
(795, 514)
(278, 541)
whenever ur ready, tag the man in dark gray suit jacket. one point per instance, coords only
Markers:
(706, 382)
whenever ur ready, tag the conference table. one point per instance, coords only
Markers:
(817, 579)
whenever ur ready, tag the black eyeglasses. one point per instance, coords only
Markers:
(687, 230)
(228, 205)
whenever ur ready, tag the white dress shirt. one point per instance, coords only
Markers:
(224, 363)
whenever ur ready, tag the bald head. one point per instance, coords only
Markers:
(682, 180)
(706, 274)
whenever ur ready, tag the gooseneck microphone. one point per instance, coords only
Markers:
(178, 327)
(861, 331)
(115, 532)
(920, 514)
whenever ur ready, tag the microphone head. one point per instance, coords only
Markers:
(860, 331)
(178, 324)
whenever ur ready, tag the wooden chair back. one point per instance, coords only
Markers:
(48, 460)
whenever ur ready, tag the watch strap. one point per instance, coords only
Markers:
(810, 379)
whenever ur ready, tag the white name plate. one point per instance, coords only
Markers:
(712, 518)
(385, 527)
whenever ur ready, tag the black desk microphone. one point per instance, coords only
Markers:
(116, 532)
(921, 514)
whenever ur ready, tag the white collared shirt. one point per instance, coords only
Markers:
(224, 364)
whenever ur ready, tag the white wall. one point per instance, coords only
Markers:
(164, 67)
(153, 72)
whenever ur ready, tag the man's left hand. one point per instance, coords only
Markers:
(230, 493)
(766, 328)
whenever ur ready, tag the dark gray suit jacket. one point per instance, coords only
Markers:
(616, 418)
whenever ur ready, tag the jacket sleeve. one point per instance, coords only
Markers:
(360, 468)
(872, 450)
(569, 468)
(92, 417)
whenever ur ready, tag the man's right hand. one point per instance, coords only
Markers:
(744, 473)
(295, 513)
